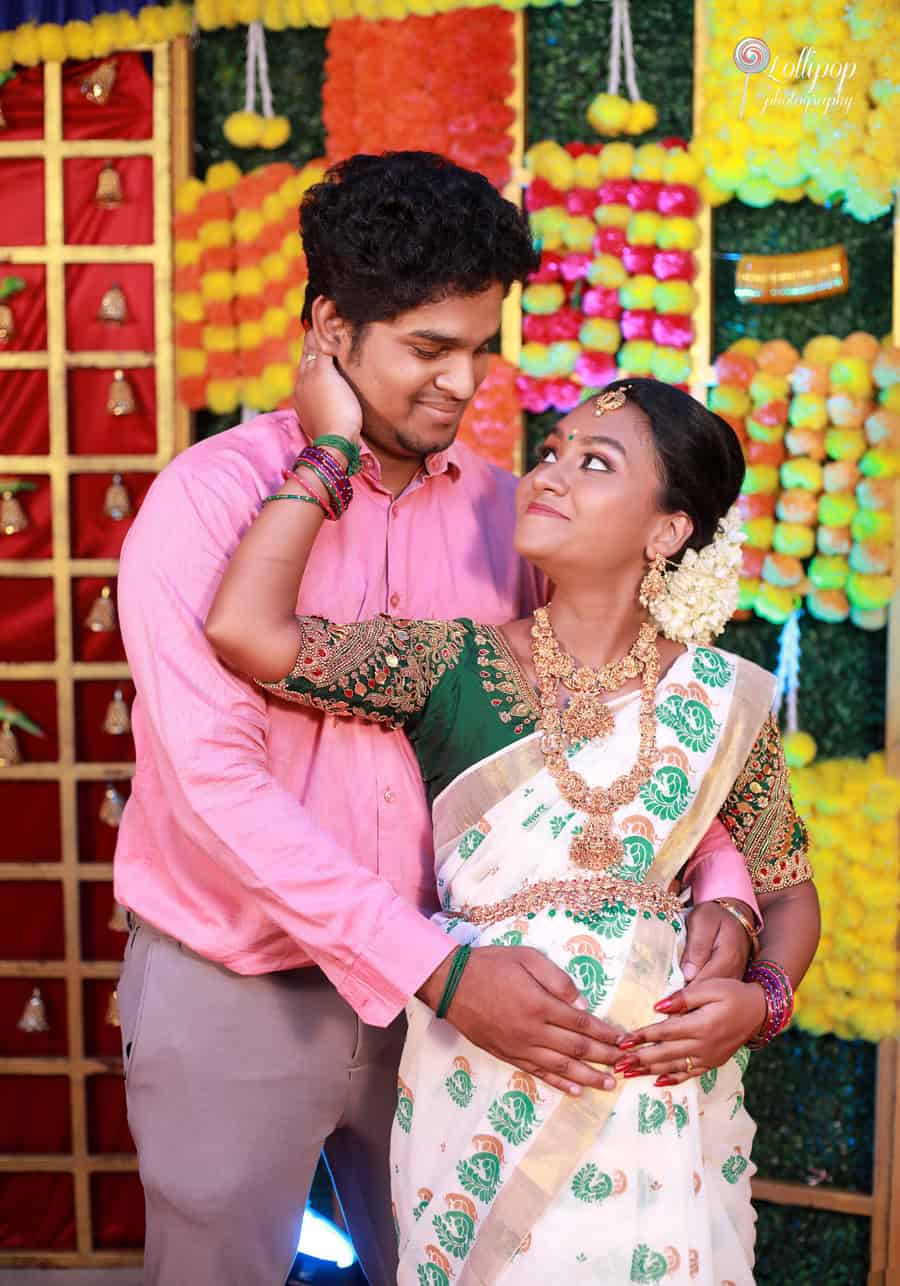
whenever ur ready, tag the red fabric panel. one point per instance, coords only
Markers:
(26, 623)
(101, 1039)
(21, 220)
(90, 646)
(37, 1212)
(33, 922)
(35, 540)
(87, 223)
(22, 99)
(128, 113)
(14, 994)
(93, 745)
(35, 1116)
(37, 699)
(94, 534)
(30, 812)
(107, 1119)
(25, 427)
(98, 941)
(29, 307)
(86, 285)
(93, 431)
(96, 840)
(117, 1202)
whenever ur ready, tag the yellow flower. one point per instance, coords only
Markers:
(617, 160)
(249, 281)
(222, 396)
(642, 117)
(609, 113)
(217, 285)
(187, 194)
(274, 322)
(186, 253)
(151, 24)
(273, 15)
(587, 171)
(215, 234)
(275, 132)
(190, 362)
(681, 167)
(243, 129)
(247, 224)
(221, 176)
(250, 334)
(26, 48)
(278, 382)
(274, 267)
(188, 307)
(79, 39)
(219, 339)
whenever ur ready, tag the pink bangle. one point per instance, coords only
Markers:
(779, 996)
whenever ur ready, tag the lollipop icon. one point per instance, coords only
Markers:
(751, 55)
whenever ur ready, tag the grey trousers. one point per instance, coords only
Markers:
(234, 1086)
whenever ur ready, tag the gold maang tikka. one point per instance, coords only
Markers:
(613, 400)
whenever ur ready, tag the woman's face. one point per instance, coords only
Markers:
(589, 510)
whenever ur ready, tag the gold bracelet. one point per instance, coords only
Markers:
(749, 928)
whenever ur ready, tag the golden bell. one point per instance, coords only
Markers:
(109, 187)
(118, 720)
(12, 516)
(99, 84)
(102, 619)
(112, 1010)
(120, 400)
(34, 1015)
(118, 921)
(7, 324)
(117, 504)
(113, 307)
(112, 808)
(9, 748)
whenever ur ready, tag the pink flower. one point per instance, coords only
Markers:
(581, 201)
(574, 265)
(595, 369)
(601, 301)
(614, 192)
(637, 323)
(609, 241)
(674, 265)
(533, 394)
(639, 259)
(673, 331)
(540, 194)
(678, 198)
(551, 263)
(564, 394)
(643, 195)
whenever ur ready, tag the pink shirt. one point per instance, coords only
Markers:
(261, 835)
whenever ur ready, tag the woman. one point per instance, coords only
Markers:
(568, 795)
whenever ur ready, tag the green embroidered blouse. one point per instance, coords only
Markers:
(459, 693)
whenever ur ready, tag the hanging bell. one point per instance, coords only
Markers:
(34, 1015)
(7, 324)
(118, 720)
(13, 518)
(9, 748)
(120, 400)
(112, 808)
(102, 619)
(118, 921)
(117, 504)
(109, 188)
(113, 307)
(98, 84)
(112, 1010)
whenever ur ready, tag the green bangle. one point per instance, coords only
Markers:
(349, 450)
(460, 960)
(289, 495)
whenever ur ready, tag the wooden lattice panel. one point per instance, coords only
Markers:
(83, 1073)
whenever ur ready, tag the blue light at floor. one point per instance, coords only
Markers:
(321, 1239)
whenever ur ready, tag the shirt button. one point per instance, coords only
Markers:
(389, 796)
(395, 600)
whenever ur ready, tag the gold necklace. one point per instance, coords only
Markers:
(596, 848)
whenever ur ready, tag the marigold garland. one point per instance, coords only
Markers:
(803, 133)
(617, 226)
(492, 422)
(30, 44)
(821, 437)
(850, 807)
(239, 281)
(381, 94)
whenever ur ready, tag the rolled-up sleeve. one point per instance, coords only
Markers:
(211, 725)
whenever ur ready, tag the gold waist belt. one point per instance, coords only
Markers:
(583, 895)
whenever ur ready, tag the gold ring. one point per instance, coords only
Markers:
(688, 1064)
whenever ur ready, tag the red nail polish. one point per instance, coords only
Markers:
(625, 1064)
(664, 1080)
(629, 1042)
(635, 1071)
(663, 1006)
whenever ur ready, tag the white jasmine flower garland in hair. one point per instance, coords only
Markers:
(701, 593)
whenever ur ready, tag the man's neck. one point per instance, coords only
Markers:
(397, 472)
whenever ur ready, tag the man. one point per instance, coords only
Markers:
(277, 863)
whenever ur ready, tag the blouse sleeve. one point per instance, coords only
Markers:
(383, 670)
(759, 815)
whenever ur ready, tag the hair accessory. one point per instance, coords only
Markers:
(457, 968)
(701, 592)
(612, 400)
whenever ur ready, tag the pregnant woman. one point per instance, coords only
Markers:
(575, 761)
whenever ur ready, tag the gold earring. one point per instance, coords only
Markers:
(654, 583)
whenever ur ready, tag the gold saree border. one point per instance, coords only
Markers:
(575, 1122)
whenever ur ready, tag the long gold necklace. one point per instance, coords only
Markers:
(596, 848)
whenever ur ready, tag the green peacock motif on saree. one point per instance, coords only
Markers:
(648, 1265)
(690, 720)
(591, 1184)
(404, 1112)
(459, 1084)
(470, 841)
(512, 1116)
(639, 856)
(734, 1167)
(590, 978)
(455, 1232)
(711, 668)
(708, 1080)
(667, 793)
(479, 1175)
(432, 1275)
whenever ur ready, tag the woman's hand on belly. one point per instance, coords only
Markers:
(519, 1006)
(708, 1022)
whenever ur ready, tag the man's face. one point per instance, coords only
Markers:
(416, 375)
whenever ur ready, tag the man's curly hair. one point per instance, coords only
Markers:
(386, 234)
